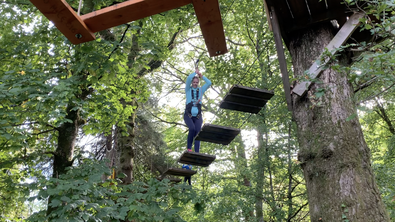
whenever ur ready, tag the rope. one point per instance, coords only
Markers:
(79, 8)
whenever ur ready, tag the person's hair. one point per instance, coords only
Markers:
(195, 77)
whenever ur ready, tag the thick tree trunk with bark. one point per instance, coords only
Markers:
(333, 154)
(68, 132)
(126, 151)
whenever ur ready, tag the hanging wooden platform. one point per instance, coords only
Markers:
(65, 19)
(217, 134)
(80, 29)
(246, 99)
(179, 172)
(196, 159)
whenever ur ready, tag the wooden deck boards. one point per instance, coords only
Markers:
(196, 159)
(217, 134)
(295, 14)
(246, 99)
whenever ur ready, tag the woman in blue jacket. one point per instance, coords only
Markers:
(193, 111)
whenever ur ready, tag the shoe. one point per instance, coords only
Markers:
(189, 150)
(187, 167)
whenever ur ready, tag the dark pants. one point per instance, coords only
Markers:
(195, 125)
(187, 179)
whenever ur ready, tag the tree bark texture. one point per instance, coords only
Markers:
(126, 151)
(68, 132)
(333, 153)
(260, 177)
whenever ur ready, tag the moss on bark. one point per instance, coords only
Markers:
(334, 156)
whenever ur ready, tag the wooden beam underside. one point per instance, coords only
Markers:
(65, 20)
(128, 11)
(209, 18)
(79, 29)
(281, 58)
(340, 38)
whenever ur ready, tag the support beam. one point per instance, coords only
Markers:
(281, 58)
(128, 11)
(209, 17)
(340, 38)
(65, 19)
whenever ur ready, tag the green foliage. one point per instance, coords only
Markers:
(82, 195)
(41, 74)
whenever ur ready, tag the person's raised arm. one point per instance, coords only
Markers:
(206, 80)
(189, 81)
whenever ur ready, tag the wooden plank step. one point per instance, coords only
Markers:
(65, 20)
(209, 18)
(128, 11)
(196, 159)
(179, 172)
(217, 134)
(251, 92)
(240, 107)
(246, 99)
(223, 139)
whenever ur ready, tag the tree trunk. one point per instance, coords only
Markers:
(126, 151)
(242, 169)
(289, 169)
(68, 132)
(333, 154)
(260, 177)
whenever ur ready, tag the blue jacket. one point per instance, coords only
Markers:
(189, 90)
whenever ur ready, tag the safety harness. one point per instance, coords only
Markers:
(194, 102)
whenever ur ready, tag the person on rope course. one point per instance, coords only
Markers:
(187, 178)
(193, 111)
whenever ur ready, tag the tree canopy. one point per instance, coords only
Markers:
(76, 120)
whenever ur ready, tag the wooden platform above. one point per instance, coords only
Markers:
(217, 134)
(196, 159)
(294, 15)
(128, 11)
(80, 29)
(66, 20)
(179, 172)
(246, 99)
